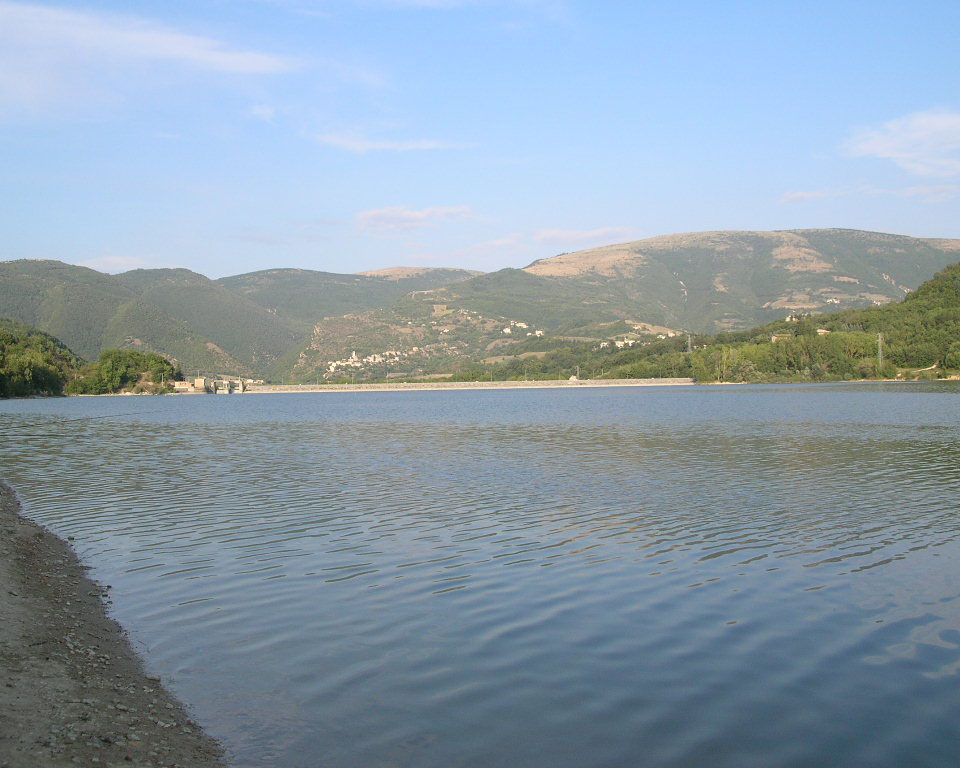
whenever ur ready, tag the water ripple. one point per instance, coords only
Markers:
(724, 577)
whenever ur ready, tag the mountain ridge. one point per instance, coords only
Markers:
(701, 282)
(287, 321)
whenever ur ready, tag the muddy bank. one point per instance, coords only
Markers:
(72, 691)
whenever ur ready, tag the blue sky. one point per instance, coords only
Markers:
(228, 136)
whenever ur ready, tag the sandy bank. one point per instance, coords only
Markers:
(423, 386)
(72, 691)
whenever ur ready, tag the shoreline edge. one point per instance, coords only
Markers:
(74, 691)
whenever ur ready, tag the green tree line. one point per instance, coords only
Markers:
(35, 363)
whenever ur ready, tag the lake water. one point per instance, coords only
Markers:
(688, 576)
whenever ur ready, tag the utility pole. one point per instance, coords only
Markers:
(879, 353)
(689, 343)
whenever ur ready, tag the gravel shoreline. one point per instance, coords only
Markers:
(72, 690)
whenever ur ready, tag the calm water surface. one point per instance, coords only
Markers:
(740, 576)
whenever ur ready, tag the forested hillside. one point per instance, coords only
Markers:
(35, 363)
(304, 297)
(247, 332)
(247, 324)
(91, 312)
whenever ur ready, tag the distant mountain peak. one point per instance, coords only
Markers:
(790, 248)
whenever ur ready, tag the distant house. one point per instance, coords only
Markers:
(780, 336)
(195, 387)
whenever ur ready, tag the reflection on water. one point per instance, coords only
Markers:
(658, 577)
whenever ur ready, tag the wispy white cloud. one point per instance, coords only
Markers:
(107, 36)
(928, 193)
(48, 53)
(401, 217)
(263, 112)
(254, 235)
(552, 11)
(354, 143)
(426, 3)
(290, 233)
(115, 264)
(357, 73)
(510, 16)
(507, 241)
(585, 237)
(326, 6)
(815, 194)
(922, 143)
